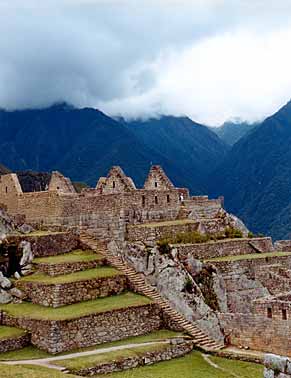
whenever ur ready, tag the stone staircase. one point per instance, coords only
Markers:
(201, 339)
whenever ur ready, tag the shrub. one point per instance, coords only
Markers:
(251, 235)
(231, 233)
(164, 247)
(188, 286)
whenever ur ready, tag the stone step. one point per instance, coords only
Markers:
(199, 338)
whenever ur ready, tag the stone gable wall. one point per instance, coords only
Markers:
(63, 335)
(73, 292)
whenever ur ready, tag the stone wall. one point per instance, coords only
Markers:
(15, 343)
(229, 247)
(63, 335)
(57, 295)
(164, 353)
(277, 366)
(283, 245)
(249, 265)
(49, 244)
(156, 231)
(69, 267)
(257, 332)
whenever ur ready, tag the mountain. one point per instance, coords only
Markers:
(3, 170)
(193, 147)
(84, 143)
(232, 132)
(255, 177)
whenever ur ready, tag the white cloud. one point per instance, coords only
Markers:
(211, 59)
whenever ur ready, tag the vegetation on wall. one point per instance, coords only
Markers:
(193, 237)
(205, 281)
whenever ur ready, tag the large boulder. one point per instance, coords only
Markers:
(5, 297)
(172, 280)
(4, 282)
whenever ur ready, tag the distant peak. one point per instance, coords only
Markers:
(62, 105)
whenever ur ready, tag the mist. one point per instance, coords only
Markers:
(210, 60)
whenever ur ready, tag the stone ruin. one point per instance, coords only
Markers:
(235, 290)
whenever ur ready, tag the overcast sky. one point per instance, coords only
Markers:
(212, 60)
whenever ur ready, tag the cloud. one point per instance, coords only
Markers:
(211, 59)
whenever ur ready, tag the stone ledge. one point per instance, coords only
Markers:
(140, 359)
(69, 267)
(14, 343)
(57, 295)
(55, 336)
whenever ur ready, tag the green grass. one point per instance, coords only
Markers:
(251, 256)
(75, 256)
(100, 272)
(79, 363)
(27, 353)
(31, 352)
(193, 366)
(10, 332)
(34, 311)
(165, 223)
(30, 371)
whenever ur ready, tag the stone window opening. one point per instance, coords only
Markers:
(284, 314)
(168, 198)
(143, 200)
(156, 200)
(58, 187)
(156, 184)
(113, 184)
(6, 189)
(269, 313)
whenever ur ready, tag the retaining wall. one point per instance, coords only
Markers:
(166, 353)
(19, 342)
(57, 295)
(63, 335)
(229, 247)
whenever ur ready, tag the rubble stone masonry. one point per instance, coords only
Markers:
(57, 295)
(55, 336)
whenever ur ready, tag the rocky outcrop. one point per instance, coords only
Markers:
(27, 257)
(172, 280)
(277, 366)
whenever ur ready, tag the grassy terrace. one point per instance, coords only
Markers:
(44, 233)
(10, 332)
(251, 256)
(100, 272)
(31, 352)
(76, 364)
(193, 366)
(75, 256)
(30, 371)
(77, 310)
(166, 223)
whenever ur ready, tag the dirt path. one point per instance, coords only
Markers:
(48, 362)
(213, 364)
